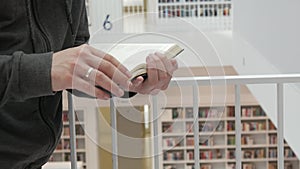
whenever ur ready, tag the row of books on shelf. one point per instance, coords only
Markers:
(287, 165)
(288, 153)
(215, 126)
(248, 154)
(207, 142)
(202, 166)
(65, 145)
(213, 112)
(248, 140)
(210, 112)
(173, 142)
(194, 11)
(252, 112)
(206, 155)
(219, 154)
(66, 157)
(253, 126)
(173, 156)
(231, 140)
(245, 140)
(230, 126)
(78, 130)
(65, 117)
(272, 139)
(176, 1)
(253, 154)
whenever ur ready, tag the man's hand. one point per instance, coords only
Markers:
(159, 70)
(85, 67)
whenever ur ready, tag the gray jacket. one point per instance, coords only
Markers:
(30, 113)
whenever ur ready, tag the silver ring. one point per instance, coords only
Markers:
(88, 73)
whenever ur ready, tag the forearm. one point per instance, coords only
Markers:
(25, 76)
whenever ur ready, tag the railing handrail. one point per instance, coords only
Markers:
(236, 79)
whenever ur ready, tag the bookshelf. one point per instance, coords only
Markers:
(62, 152)
(206, 14)
(217, 139)
(194, 8)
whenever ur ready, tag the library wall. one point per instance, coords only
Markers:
(268, 36)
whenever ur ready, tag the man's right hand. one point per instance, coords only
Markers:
(71, 69)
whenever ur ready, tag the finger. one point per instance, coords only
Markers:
(112, 72)
(167, 63)
(152, 73)
(163, 76)
(137, 84)
(90, 89)
(175, 64)
(138, 81)
(155, 92)
(166, 84)
(112, 60)
(100, 79)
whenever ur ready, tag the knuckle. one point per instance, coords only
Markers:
(164, 76)
(100, 76)
(72, 64)
(68, 78)
(156, 59)
(84, 46)
(164, 87)
(83, 50)
(106, 65)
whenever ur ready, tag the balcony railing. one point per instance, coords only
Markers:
(195, 82)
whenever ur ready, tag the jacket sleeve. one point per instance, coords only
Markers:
(83, 34)
(25, 76)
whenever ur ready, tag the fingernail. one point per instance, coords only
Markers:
(129, 84)
(139, 82)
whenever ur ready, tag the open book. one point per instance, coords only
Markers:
(133, 56)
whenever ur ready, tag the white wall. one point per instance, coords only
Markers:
(273, 28)
(99, 9)
(266, 40)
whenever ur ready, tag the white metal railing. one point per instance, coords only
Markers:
(195, 82)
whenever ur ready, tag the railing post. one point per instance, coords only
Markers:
(196, 125)
(113, 116)
(280, 126)
(238, 130)
(71, 115)
(155, 132)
